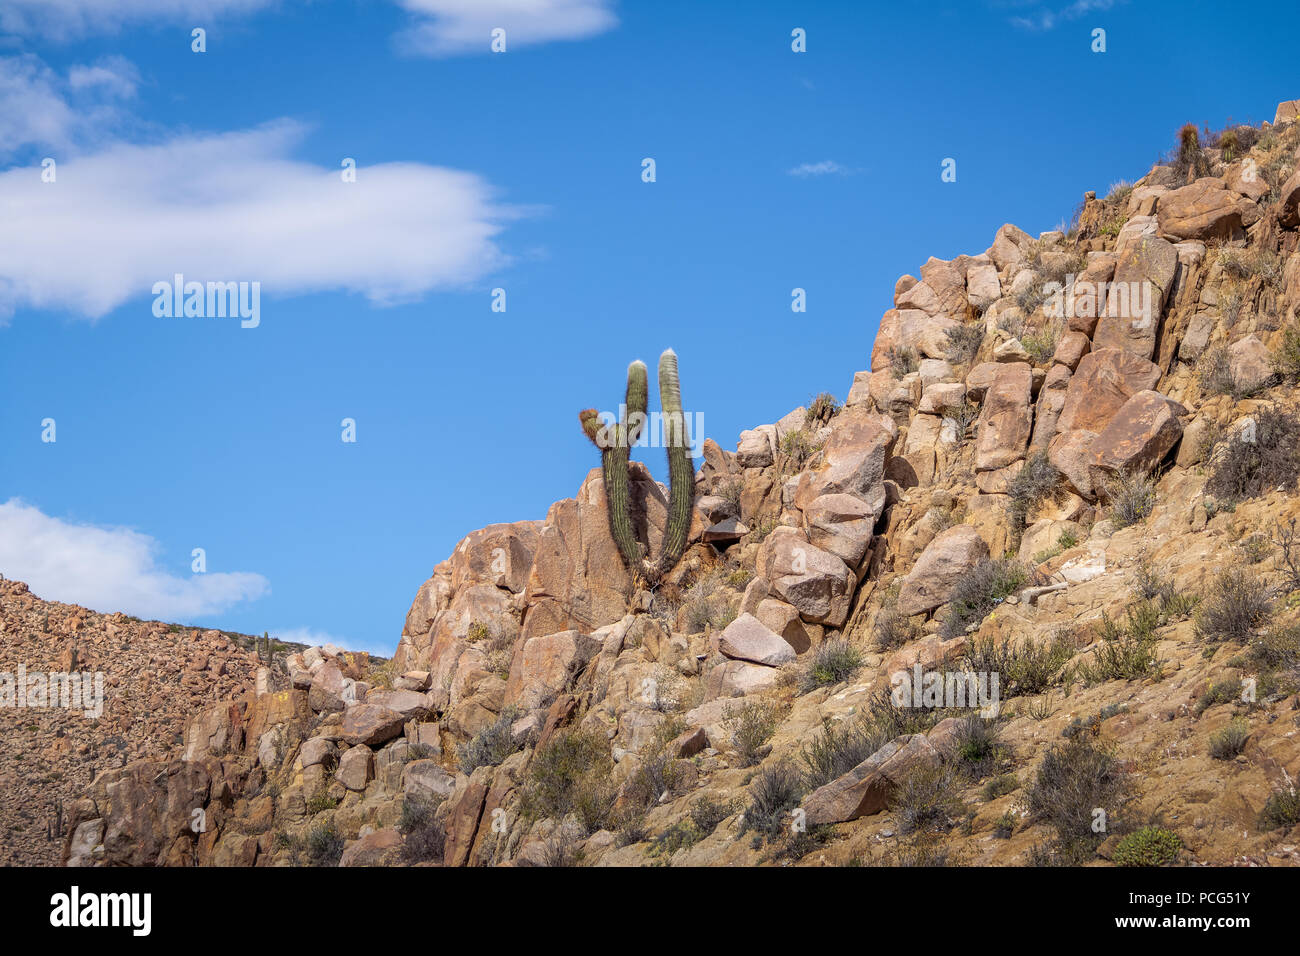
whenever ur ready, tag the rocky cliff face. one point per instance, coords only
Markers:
(155, 678)
(1033, 493)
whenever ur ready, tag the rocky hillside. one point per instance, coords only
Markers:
(156, 678)
(1065, 488)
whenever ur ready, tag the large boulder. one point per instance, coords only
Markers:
(1144, 276)
(1251, 364)
(841, 524)
(1205, 209)
(543, 666)
(1137, 439)
(1099, 387)
(868, 787)
(815, 582)
(1005, 420)
(853, 460)
(747, 639)
(950, 555)
(1071, 454)
(371, 725)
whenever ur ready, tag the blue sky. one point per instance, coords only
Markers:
(476, 170)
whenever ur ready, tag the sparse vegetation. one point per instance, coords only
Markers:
(774, 792)
(1235, 605)
(1286, 357)
(1252, 461)
(962, 343)
(893, 629)
(324, 845)
(1231, 740)
(1030, 667)
(976, 594)
(903, 361)
(1036, 484)
(927, 799)
(840, 747)
(797, 448)
(1281, 810)
(571, 774)
(491, 745)
(1132, 498)
(1075, 778)
(751, 725)
(821, 410)
(423, 836)
(1127, 650)
(832, 662)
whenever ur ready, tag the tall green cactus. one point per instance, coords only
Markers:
(615, 443)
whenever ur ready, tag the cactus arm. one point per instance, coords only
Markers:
(681, 474)
(634, 406)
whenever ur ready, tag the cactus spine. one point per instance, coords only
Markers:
(615, 443)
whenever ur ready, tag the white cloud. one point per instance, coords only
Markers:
(827, 167)
(449, 27)
(70, 19)
(38, 107)
(235, 207)
(110, 569)
(1047, 19)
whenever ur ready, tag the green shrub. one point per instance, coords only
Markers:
(1005, 826)
(1236, 604)
(894, 630)
(976, 594)
(832, 662)
(1001, 785)
(962, 343)
(798, 448)
(320, 801)
(821, 409)
(1037, 483)
(840, 747)
(774, 792)
(1127, 651)
(707, 812)
(1149, 846)
(1281, 810)
(324, 845)
(1286, 357)
(1028, 668)
(1231, 740)
(926, 799)
(902, 361)
(978, 752)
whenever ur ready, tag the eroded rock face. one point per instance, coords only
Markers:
(1205, 209)
(1138, 438)
(950, 555)
(813, 581)
(1005, 421)
(545, 665)
(1144, 276)
(1103, 382)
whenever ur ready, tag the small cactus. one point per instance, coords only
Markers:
(615, 443)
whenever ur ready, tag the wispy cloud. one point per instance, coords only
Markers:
(236, 207)
(451, 27)
(40, 107)
(827, 167)
(1042, 18)
(64, 20)
(111, 569)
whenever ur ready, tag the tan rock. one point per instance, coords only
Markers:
(1071, 453)
(1205, 209)
(952, 554)
(748, 639)
(1103, 382)
(371, 725)
(1142, 432)
(1144, 276)
(1005, 420)
(815, 582)
(544, 665)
